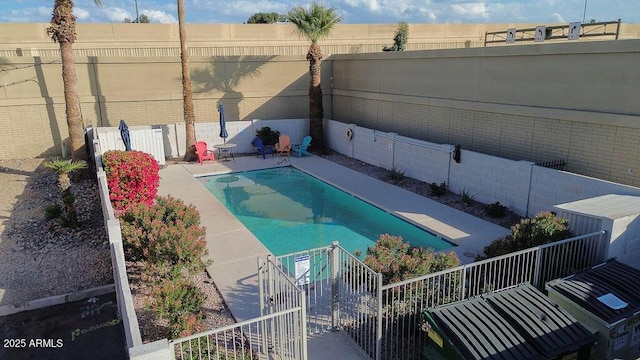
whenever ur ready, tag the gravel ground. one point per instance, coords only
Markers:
(38, 258)
(419, 187)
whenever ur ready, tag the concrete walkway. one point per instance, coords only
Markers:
(234, 250)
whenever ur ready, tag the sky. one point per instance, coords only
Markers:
(353, 11)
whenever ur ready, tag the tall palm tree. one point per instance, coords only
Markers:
(314, 23)
(63, 32)
(187, 93)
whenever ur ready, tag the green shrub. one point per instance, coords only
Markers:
(396, 174)
(544, 228)
(467, 198)
(166, 235)
(64, 169)
(438, 190)
(132, 176)
(496, 210)
(397, 260)
(268, 136)
(53, 211)
(179, 301)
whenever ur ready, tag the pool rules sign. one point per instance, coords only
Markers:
(302, 269)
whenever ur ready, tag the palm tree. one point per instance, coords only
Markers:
(314, 23)
(64, 168)
(187, 94)
(63, 31)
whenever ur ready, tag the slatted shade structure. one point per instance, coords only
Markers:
(606, 298)
(520, 324)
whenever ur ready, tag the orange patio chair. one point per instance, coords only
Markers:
(283, 146)
(204, 153)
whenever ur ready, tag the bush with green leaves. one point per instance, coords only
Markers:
(396, 260)
(467, 197)
(438, 189)
(268, 136)
(64, 169)
(179, 301)
(133, 177)
(496, 210)
(396, 174)
(167, 236)
(544, 228)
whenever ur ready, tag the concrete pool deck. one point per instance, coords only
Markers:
(234, 250)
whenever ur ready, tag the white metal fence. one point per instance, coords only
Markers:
(279, 335)
(342, 293)
(404, 303)
(385, 320)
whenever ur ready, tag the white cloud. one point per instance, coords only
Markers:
(81, 14)
(114, 14)
(159, 16)
(470, 10)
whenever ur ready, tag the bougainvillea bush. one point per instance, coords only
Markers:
(132, 176)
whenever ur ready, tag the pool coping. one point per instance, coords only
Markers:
(234, 249)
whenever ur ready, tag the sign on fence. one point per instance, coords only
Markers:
(302, 269)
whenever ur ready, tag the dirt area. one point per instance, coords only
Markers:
(39, 258)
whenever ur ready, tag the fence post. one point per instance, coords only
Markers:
(379, 324)
(537, 268)
(334, 260)
(463, 283)
(303, 321)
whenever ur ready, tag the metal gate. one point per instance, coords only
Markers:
(341, 293)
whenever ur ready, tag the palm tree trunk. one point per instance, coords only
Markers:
(72, 102)
(315, 97)
(187, 94)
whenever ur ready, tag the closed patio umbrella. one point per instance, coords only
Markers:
(124, 134)
(223, 123)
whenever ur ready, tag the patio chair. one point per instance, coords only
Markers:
(283, 146)
(302, 148)
(262, 150)
(204, 153)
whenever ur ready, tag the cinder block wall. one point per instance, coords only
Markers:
(573, 102)
(144, 91)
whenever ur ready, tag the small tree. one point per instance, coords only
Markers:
(400, 40)
(265, 18)
(143, 19)
(64, 168)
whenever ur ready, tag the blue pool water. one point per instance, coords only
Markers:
(289, 210)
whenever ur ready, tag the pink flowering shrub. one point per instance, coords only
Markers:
(132, 176)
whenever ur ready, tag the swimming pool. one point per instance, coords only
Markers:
(289, 211)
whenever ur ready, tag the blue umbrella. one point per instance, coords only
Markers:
(223, 123)
(124, 133)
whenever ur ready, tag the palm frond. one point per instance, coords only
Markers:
(65, 166)
(314, 23)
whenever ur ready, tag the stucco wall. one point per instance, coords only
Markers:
(573, 102)
(144, 91)
(112, 39)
